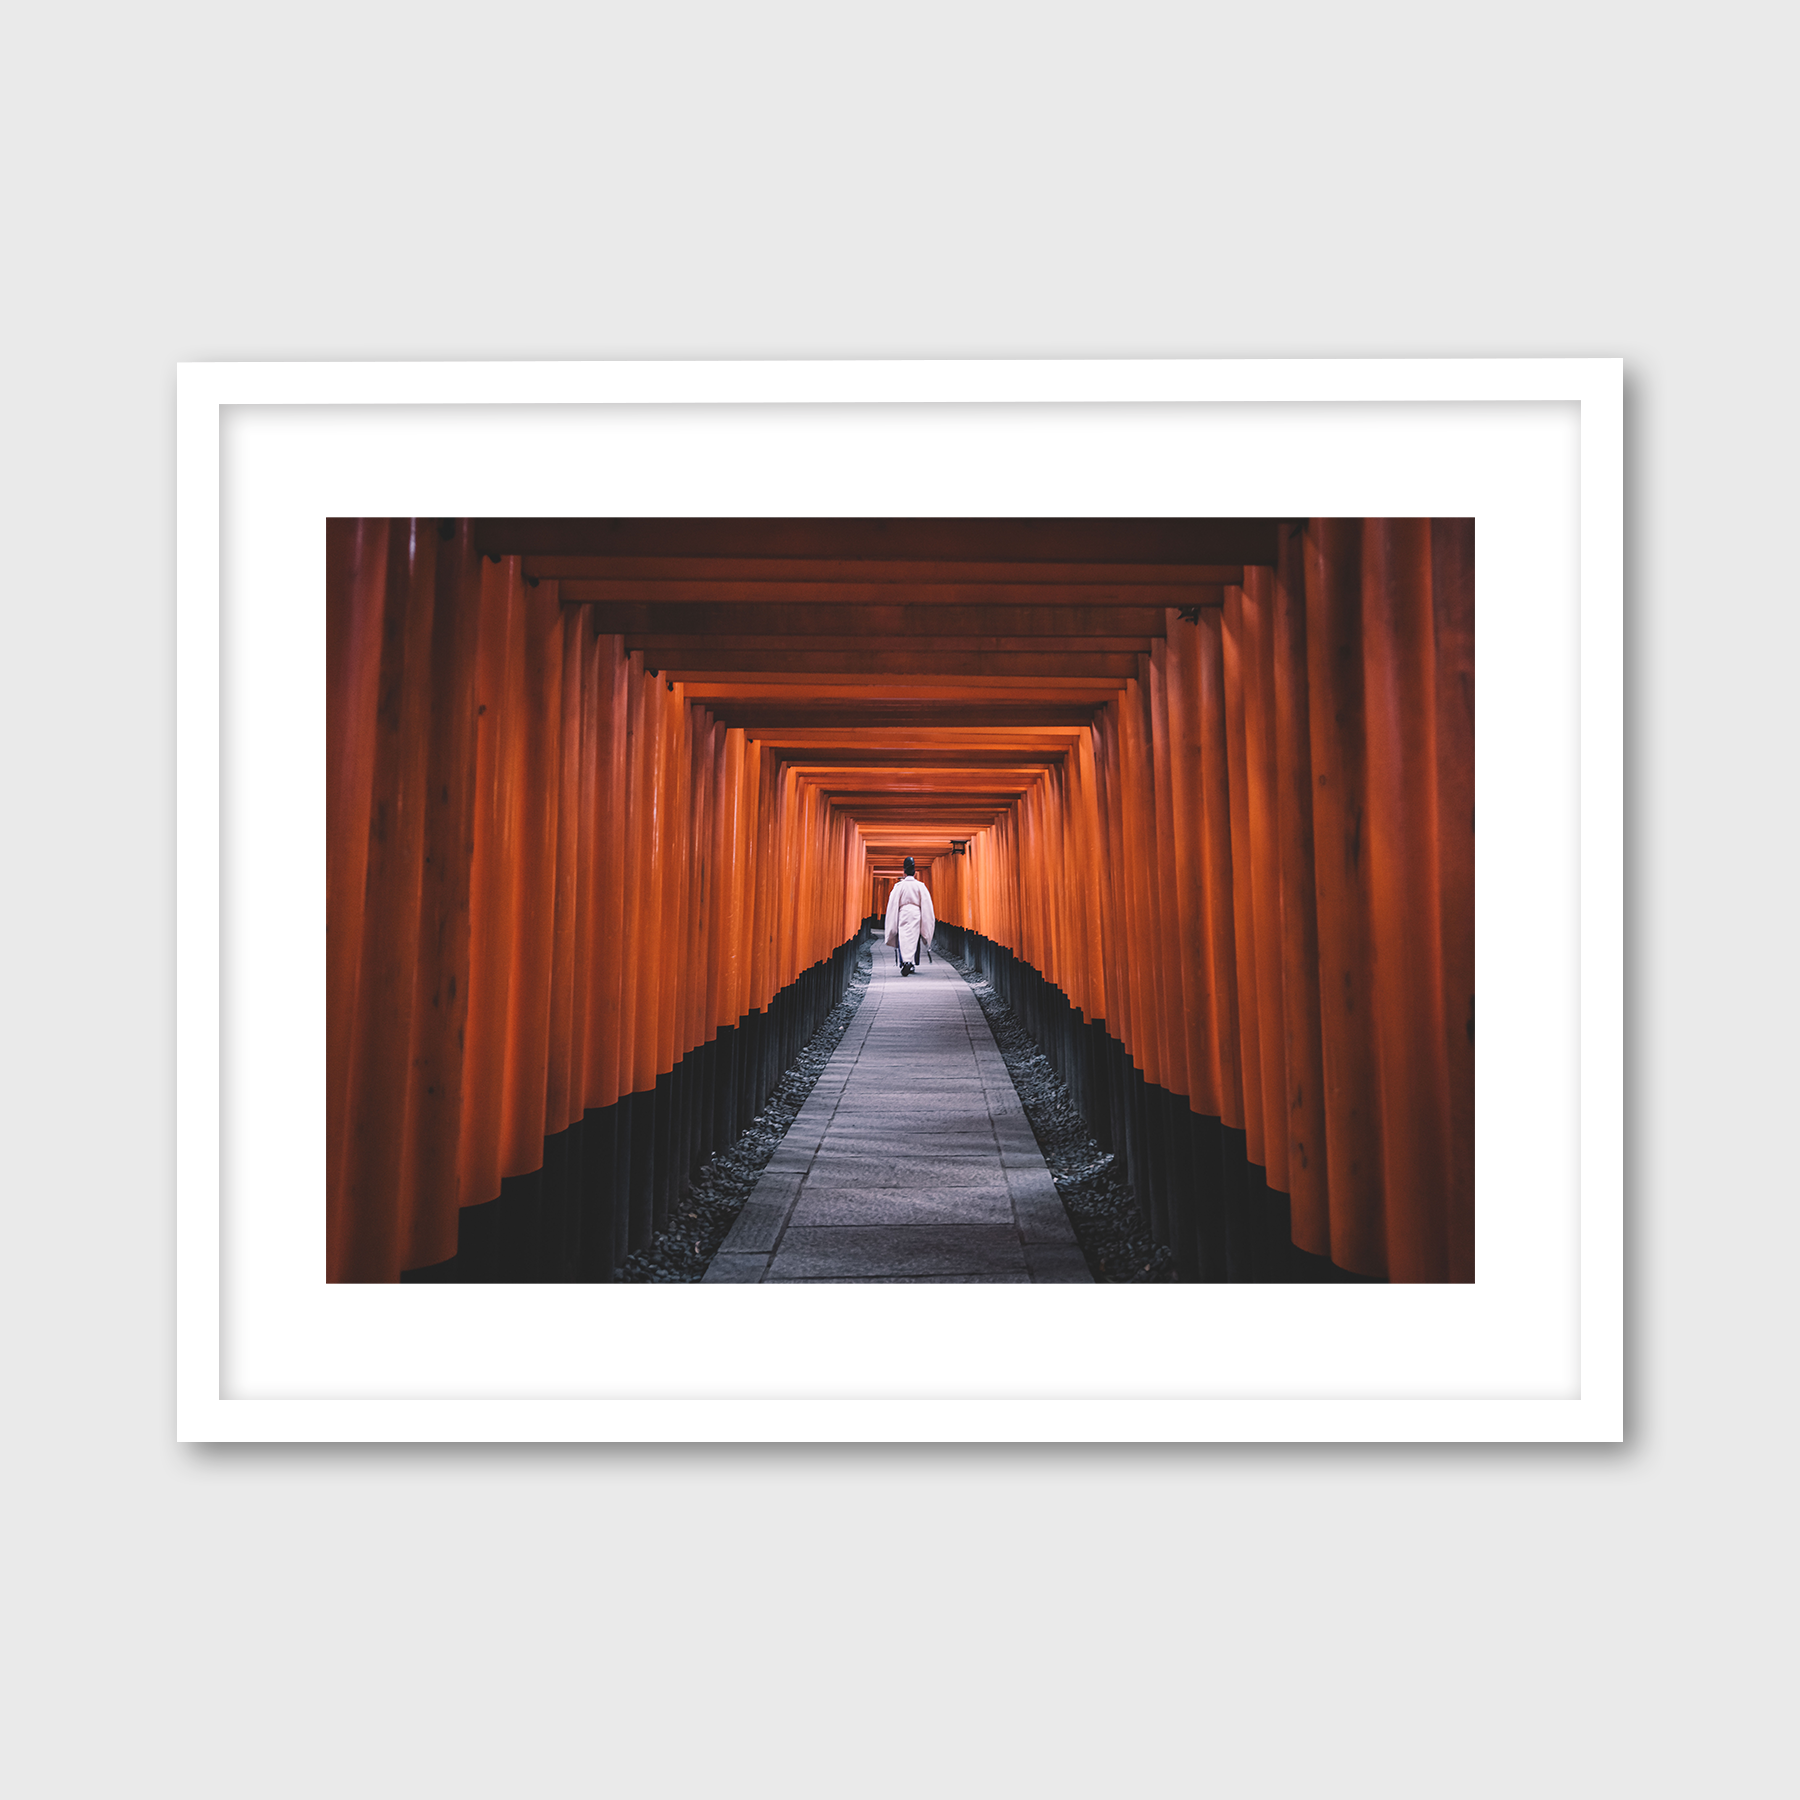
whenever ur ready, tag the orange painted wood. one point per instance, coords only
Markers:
(534, 766)
(431, 1179)
(1453, 622)
(1140, 878)
(1220, 882)
(736, 908)
(1291, 761)
(355, 592)
(490, 890)
(710, 933)
(1243, 881)
(611, 847)
(1115, 906)
(1172, 991)
(1256, 605)
(562, 1100)
(672, 963)
(386, 622)
(1399, 680)
(1058, 540)
(675, 650)
(1187, 856)
(732, 603)
(1088, 886)
(1348, 1042)
(731, 573)
(1040, 626)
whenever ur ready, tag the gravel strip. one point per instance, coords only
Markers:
(699, 1220)
(1111, 1232)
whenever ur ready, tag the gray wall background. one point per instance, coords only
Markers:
(379, 181)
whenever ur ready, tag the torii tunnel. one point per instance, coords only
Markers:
(611, 801)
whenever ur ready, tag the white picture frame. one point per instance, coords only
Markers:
(1532, 1351)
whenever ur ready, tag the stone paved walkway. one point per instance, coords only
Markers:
(912, 1159)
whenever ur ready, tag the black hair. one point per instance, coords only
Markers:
(908, 866)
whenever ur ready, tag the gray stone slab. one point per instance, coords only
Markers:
(935, 1140)
(913, 1112)
(1015, 1137)
(902, 1280)
(727, 1266)
(796, 1158)
(769, 1201)
(966, 1093)
(931, 1077)
(774, 1184)
(1042, 1217)
(887, 1100)
(964, 1100)
(1057, 1262)
(903, 1118)
(945, 1089)
(759, 1223)
(835, 1251)
(1033, 1182)
(904, 1206)
(832, 1170)
(883, 1104)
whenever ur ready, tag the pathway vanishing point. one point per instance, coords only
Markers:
(911, 1160)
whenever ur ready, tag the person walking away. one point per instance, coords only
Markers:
(910, 918)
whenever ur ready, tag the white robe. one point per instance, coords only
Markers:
(909, 916)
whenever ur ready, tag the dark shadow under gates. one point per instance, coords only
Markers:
(608, 1182)
(1189, 1183)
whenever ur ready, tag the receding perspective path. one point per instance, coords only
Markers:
(912, 1159)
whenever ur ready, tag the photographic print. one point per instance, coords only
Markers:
(901, 900)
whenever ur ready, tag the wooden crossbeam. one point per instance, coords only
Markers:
(911, 764)
(882, 540)
(906, 771)
(766, 715)
(841, 594)
(977, 783)
(869, 687)
(875, 805)
(891, 821)
(647, 619)
(731, 573)
(889, 661)
(686, 650)
(947, 737)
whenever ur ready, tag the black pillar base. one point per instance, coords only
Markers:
(1195, 1187)
(608, 1182)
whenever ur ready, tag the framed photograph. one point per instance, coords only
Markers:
(917, 901)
